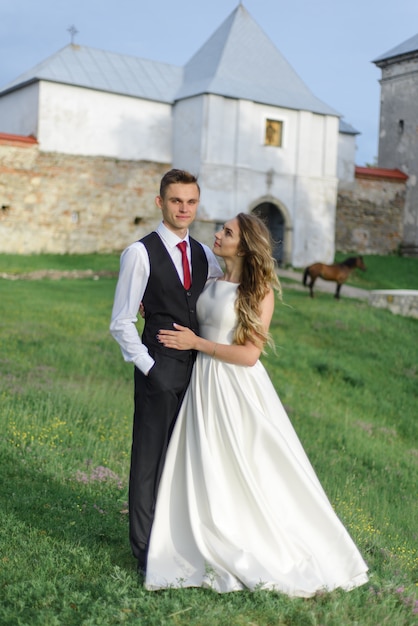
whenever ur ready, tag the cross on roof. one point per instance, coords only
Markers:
(73, 32)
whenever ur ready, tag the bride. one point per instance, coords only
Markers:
(239, 505)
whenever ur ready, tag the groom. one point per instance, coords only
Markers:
(168, 281)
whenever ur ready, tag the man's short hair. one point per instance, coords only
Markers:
(177, 176)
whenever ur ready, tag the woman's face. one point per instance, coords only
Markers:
(227, 239)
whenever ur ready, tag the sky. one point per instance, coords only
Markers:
(330, 43)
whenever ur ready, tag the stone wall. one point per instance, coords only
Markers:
(398, 301)
(60, 203)
(398, 132)
(369, 217)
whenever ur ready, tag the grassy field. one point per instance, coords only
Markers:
(347, 374)
(21, 263)
(389, 272)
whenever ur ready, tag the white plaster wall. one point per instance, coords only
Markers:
(189, 124)
(74, 120)
(235, 160)
(331, 136)
(236, 135)
(19, 111)
(314, 221)
(237, 169)
(346, 158)
(309, 205)
(227, 190)
(223, 130)
(314, 146)
(315, 191)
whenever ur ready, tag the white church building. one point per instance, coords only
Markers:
(236, 114)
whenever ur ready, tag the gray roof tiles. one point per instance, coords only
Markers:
(237, 61)
(408, 46)
(240, 61)
(347, 129)
(106, 71)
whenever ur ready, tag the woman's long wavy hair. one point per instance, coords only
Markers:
(259, 275)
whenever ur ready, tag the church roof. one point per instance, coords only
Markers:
(376, 173)
(6, 139)
(240, 61)
(346, 129)
(407, 47)
(106, 71)
(237, 61)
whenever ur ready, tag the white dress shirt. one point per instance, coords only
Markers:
(133, 278)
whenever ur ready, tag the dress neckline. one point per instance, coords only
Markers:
(228, 282)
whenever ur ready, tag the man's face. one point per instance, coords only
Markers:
(179, 206)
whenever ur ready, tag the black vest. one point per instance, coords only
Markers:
(165, 299)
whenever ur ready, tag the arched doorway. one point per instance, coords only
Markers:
(274, 219)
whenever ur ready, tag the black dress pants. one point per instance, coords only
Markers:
(158, 397)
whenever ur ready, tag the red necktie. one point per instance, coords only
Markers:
(186, 269)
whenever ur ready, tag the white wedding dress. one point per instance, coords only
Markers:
(239, 504)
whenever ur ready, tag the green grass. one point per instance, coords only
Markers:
(383, 272)
(18, 264)
(347, 374)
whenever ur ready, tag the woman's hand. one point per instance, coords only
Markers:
(180, 339)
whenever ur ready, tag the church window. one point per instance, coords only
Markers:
(273, 133)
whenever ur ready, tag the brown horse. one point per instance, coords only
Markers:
(339, 272)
